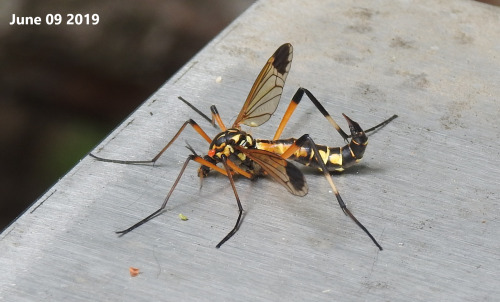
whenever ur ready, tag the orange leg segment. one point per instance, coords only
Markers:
(293, 105)
(195, 126)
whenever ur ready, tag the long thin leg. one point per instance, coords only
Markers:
(296, 100)
(213, 109)
(216, 118)
(293, 104)
(190, 122)
(306, 139)
(155, 213)
(387, 121)
(240, 207)
(197, 111)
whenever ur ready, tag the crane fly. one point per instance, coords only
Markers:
(240, 153)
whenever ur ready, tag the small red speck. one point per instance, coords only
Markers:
(133, 271)
(211, 152)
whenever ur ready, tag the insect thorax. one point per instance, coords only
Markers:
(224, 143)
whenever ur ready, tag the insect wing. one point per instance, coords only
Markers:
(280, 169)
(265, 94)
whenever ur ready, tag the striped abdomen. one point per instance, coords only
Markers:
(335, 158)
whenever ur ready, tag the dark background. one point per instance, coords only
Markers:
(63, 88)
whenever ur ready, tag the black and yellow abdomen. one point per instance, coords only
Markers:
(335, 158)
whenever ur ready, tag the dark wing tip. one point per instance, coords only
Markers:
(282, 57)
(297, 180)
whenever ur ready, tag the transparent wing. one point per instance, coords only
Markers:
(265, 94)
(278, 168)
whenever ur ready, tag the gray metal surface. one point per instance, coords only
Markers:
(427, 188)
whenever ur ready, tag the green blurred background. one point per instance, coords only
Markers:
(64, 88)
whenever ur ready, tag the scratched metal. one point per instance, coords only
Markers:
(427, 188)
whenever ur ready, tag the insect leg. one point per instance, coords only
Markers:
(307, 140)
(293, 104)
(238, 170)
(240, 207)
(216, 117)
(190, 122)
(196, 158)
(296, 100)
(387, 121)
(197, 110)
